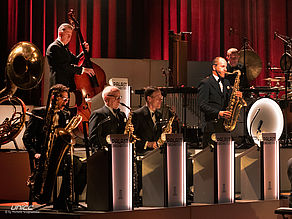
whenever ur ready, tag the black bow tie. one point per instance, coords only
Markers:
(116, 111)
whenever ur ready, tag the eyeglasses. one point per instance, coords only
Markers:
(116, 98)
(64, 98)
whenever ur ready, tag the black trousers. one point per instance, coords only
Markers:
(211, 127)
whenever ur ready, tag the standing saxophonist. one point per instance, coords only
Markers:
(214, 94)
(108, 119)
(34, 140)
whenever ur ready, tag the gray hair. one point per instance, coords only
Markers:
(64, 27)
(108, 91)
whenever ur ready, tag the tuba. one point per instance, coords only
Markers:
(24, 70)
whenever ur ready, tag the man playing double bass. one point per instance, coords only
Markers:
(63, 63)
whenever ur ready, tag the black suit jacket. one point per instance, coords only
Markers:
(34, 135)
(211, 99)
(63, 65)
(145, 129)
(102, 122)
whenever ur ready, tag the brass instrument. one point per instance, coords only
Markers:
(129, 129)
(24, 70)
(58, 142)
(234, 106)
(166, 130)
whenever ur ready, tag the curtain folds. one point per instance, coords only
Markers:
(139, 29)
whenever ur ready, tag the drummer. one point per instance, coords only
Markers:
(233, 64)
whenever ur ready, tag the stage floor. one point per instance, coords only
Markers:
(239, 210)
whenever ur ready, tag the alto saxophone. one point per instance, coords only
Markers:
(129, 129)
(235, 105)
(167, 130)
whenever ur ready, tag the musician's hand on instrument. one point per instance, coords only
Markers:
(86, 45)
(154, 145)
(151, 144)
(225, 114)
(88, 71)
(37, 156)
(239, 94)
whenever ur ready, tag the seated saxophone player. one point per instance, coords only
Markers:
(213, 97)
(34, 138)
(146, 121)
(108, 119)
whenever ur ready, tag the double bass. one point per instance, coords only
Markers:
(86, 86)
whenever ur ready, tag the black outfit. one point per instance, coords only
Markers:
(63, 65)
(211, 102)
(243, 77)
(103, 122)
(145, 129)
(34, 139)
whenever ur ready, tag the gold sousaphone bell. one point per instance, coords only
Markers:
(25, 65)
(253, 63)
(24, 70)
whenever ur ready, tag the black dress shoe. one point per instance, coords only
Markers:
(62, 205)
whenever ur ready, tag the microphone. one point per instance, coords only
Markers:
(125, 105)
(275, 35)
(260, 125)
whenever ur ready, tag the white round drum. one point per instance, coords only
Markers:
(264, 116)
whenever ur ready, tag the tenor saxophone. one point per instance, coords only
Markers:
(234, 106)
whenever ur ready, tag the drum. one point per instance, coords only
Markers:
(265, 116)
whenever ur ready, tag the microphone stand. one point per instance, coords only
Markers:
(246, 138)
(287, 43)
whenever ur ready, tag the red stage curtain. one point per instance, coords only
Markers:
(139, 29)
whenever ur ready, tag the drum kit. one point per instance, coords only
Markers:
(264, 113)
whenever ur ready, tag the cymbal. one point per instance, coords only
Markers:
(253, 63)
(278, 88)
(272, 79)
(281, 78)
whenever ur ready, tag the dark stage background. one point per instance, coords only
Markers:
(139, 28)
